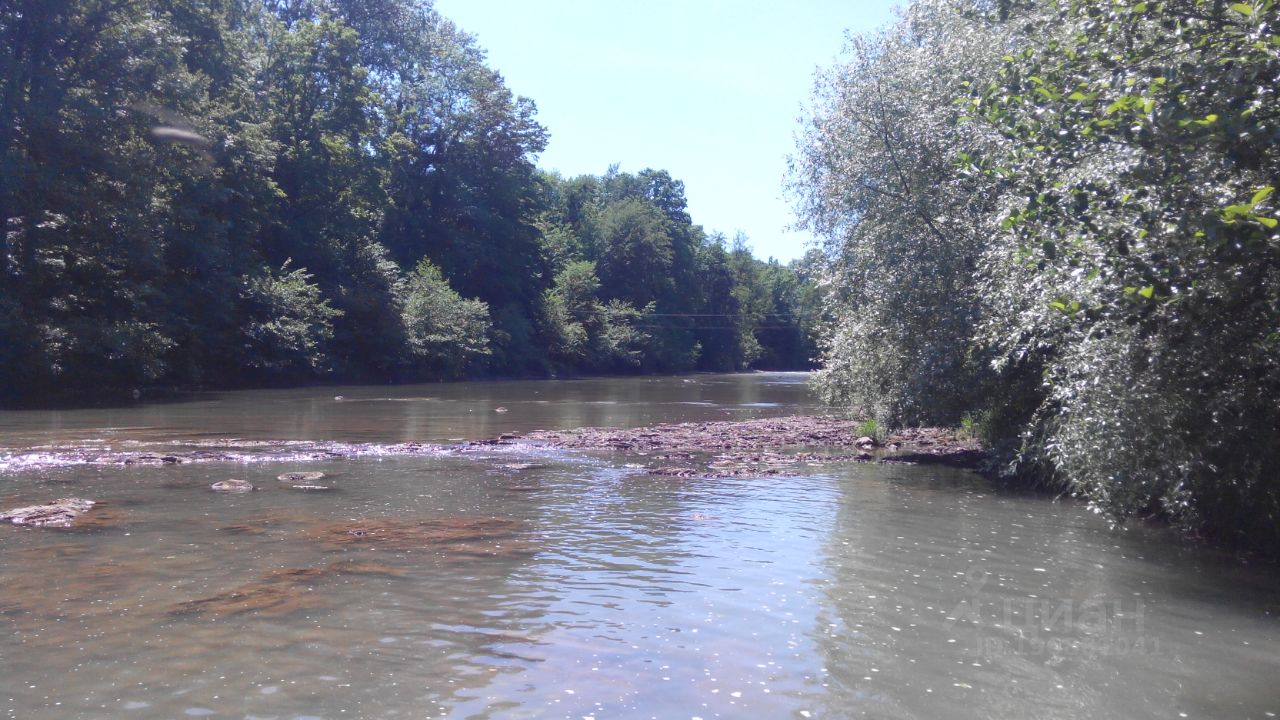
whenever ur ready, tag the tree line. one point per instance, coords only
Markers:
(1055, 221)
(215, 193)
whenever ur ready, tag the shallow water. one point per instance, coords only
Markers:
(452, 585)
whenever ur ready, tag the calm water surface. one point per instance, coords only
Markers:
(580, 587)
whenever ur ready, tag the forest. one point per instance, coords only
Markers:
(234, 193)
(1054, 224)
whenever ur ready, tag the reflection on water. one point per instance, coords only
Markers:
(507, 584)
(416, 413)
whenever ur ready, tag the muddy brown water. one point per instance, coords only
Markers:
(527, 583)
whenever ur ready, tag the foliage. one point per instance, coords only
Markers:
(872, 429)
(1104, 288)
(587, 332)
(875, 174)
(1140, 245)
(155, 157)
(289, 322)
(641, 287)
(446, 333)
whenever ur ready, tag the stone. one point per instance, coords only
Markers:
(59, 513)
(300, 476)
(232, 485)
(280, 592)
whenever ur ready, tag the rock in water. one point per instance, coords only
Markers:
(300, 477)
(59, 513)
(232, 486)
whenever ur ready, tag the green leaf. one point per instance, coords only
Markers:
(1147, 291)
(1270, 223)
(1231, 212)
(1245, 10)
(1262, 194)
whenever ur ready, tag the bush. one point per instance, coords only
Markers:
(446, 333)
(288, 323)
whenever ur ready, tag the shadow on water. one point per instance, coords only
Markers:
(947, 600)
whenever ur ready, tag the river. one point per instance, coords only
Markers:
(519, 582)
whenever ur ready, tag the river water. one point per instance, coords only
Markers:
(518, 582)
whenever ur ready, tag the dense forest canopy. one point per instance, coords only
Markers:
(241, 192)
(1056, 222)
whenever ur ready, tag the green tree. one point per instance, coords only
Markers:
(588, 333)
(446, 333)
(1077, 241)
(289, 324)
(876, 174)
(1140, 254)
(635, 251)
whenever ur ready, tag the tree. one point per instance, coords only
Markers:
(168, 169)
(446, 333)
(635, 251)
(1140, 258)
(1077, 242)
(463, 189)
(588, 333)
(289, 325)
(876, 175)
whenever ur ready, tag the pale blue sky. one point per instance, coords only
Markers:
(709, 90)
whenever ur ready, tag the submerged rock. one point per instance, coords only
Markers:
(280, 592)
(59, 513)
(233, 485)
(521, 466)
(300, 477)
(454, 536)
(671, 471)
